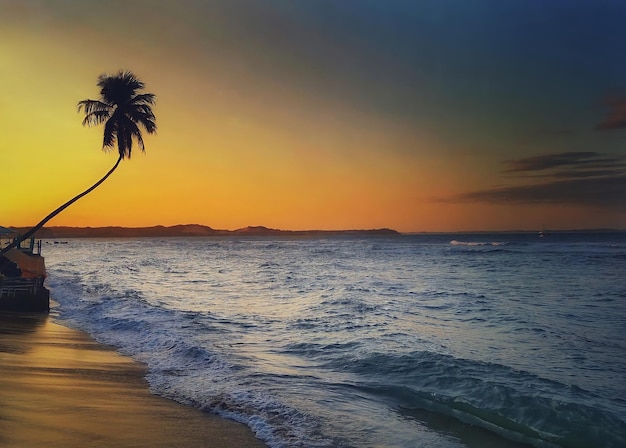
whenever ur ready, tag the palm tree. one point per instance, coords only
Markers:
(123, 112)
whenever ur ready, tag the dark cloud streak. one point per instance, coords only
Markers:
(617, 171)
(604, 192)
(583, 178)
(587, 159)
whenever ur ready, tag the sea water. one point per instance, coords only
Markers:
(475, 340)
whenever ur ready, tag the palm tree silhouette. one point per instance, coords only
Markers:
(123, 112)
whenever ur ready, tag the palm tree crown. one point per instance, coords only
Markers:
(122, 110)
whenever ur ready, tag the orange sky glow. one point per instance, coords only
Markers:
(296, 118)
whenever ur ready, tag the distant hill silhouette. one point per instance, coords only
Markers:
(191, 230)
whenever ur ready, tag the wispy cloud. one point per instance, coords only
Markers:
(567, 161)
(598, 192)
(573, 178)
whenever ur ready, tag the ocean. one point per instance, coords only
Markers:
(433, 340)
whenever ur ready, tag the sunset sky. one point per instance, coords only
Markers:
(424, 115)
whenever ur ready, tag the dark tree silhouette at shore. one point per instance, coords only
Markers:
(124, 112)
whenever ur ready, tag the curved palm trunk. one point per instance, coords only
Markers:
(32, 231)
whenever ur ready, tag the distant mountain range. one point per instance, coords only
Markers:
(191, 230)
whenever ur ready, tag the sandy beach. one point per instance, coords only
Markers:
(60, 388)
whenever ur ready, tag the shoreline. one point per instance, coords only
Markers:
(61, 388)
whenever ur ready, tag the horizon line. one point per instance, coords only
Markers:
(379, 229)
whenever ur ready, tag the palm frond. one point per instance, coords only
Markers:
(96, 117)
(140, 142)
(136, 133)
(126, 140)
(132, 131)
(149, 125)
(90, 106)
(144, 117)
(110, 133)
(121, 145)
(144, 98)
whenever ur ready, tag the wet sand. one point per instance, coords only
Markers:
(60, 388)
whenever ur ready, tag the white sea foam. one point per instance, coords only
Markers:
(477, 243)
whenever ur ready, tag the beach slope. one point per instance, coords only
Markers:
(60, 388)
